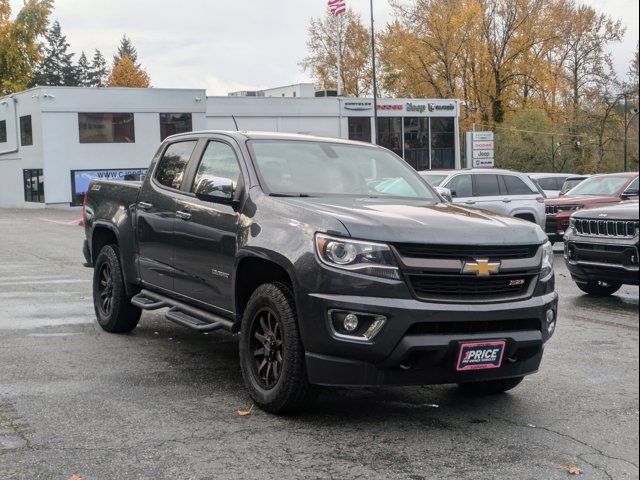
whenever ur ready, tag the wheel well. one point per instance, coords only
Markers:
(101, 236)
(253, 272)
(526, 216)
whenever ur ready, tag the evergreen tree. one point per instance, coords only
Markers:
(84, 71)
(126, 48)
(125, 73)
(99, 71)
(56, 67)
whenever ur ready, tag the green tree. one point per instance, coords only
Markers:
(20, 47)
(56, 67)
(99, 73)
(84, 71)
(126, 48)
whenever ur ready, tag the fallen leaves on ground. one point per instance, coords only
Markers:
(245, 413)
(75, 477)
(574, 470)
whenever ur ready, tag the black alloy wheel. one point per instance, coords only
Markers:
(267, 348)
(105, 289)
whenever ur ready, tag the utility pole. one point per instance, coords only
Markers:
(626, 129)
(373, 75)
(553, 154)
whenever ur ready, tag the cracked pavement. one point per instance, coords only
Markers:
(162, 402)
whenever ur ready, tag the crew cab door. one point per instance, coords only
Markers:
(461, 187)
(156, 213)
(207, 225)
(487, 194)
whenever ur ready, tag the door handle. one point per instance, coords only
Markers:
(506, 200)
(184, 215)
(470, 202)
(145, 205)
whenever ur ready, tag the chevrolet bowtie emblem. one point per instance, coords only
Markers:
(482, 268)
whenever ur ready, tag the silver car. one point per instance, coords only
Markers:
(500, 191)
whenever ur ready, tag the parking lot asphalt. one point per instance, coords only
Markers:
(162, 402)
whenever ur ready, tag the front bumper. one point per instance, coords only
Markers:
(400, 356)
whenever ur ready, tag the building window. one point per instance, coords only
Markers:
(360, 129)
(416, 142)
(390, 134)
(173, 123)
(26, 131)
(106, 128)
(3, 131)
(33, 185)
(443, 143)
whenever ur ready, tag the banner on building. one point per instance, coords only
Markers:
(80, 179)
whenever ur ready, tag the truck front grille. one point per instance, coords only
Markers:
(465, 288)
(464, 252)
(606, 228)
(551, 209)
(471, 327)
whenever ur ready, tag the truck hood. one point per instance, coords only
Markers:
(411, 221)
(582, 200)
(621, 211)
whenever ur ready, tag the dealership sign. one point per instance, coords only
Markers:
(358, 105)
(480, 150)
(80, 179)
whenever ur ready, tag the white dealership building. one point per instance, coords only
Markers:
(54, 140)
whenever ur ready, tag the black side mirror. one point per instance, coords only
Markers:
(454, 194)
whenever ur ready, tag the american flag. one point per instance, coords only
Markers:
(337, 7)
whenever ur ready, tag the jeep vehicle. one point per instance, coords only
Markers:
(333, 260)
(499, 191)
(594, 192)
(601, 248)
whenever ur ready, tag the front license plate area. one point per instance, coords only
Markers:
(480, 355)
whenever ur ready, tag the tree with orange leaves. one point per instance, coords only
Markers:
(126, 73)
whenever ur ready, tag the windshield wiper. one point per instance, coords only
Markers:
(294, 195)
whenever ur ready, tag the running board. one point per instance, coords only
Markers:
(181, 313)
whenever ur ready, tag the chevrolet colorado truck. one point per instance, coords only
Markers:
(601, 248)
(594, 192)
(334, 261)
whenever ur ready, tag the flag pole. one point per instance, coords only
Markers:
(339, 30)
(373, 75)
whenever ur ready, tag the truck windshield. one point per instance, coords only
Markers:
(312, 168)
(599, 186)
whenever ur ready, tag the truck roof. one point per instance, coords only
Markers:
(251, 135)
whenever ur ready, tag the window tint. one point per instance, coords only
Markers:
(487, 185)
(26, 132)
(173, 164)
(219, 172)
(390, 134)
(360, 129)
(416, 142)
(173, 123)
(3, 131)
(443, 141)
(106, 127)
(515, 186)
(460, 186)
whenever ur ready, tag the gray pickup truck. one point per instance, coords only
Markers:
(335, 262)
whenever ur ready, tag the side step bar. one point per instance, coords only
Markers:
(181, 313)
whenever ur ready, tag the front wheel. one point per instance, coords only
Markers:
(599, 288)
(491, 387)
(113, 307)
(271, 353)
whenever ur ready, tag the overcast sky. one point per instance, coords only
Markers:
(234, 45)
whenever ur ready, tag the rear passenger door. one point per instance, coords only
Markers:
(156, 214)
(487, 193)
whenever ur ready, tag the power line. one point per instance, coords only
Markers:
(551, 134)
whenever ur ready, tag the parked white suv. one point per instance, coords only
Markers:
(500, 191)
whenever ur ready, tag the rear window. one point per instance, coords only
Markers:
(172, 165)
(551, 183)
(487, 185)
(515, 186)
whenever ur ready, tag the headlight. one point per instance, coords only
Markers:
(570, 208)
(547, 262)
(368, 258)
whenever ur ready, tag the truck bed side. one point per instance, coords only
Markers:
(110, 208)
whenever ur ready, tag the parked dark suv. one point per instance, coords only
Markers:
(334, 260)
(601, 248)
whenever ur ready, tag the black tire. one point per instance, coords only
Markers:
(271, 353)
(599, 288)
(491, 387)
(114, 311)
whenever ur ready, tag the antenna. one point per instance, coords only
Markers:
(236, 123)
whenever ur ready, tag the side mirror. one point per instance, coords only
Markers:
(561, 194)
(445, 193)
(215, 189)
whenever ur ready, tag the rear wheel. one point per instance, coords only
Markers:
(113, 307)
(271, 353)
(491, 387)
(599, 288)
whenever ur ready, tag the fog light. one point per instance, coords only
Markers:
(350, 322)
(551, 321)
